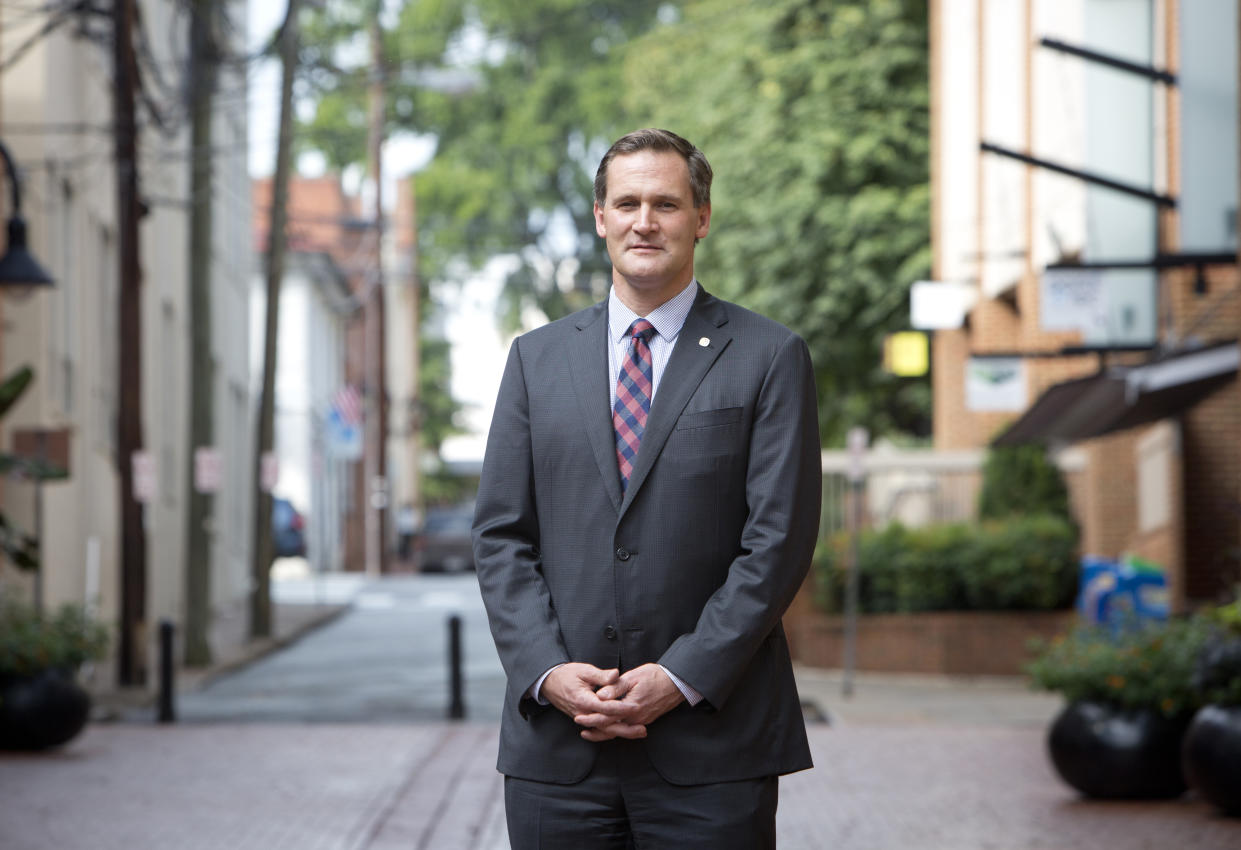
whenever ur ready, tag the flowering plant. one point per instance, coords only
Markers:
(1149, 666)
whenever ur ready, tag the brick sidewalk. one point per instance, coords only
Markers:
(268, 786)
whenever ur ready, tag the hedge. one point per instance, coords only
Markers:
(1017, 564)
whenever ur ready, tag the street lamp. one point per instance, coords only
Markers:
(18, 269)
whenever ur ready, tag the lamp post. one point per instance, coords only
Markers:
(17, 267)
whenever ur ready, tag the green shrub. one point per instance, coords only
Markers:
(1021, 480)
(30, 641)
(929, 570)
(1022, 563)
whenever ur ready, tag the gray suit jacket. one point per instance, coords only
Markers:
(691, 568)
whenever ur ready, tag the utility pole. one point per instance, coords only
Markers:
(415, 330)
(204, 59)
(260, 594)
(132, 667)
(375, 488)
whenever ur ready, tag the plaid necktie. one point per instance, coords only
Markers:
(633, 397)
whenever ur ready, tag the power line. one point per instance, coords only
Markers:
(57, 17)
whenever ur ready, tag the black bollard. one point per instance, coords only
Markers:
(456, 705)
(167, 709)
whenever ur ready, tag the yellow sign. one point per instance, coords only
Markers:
(906, 354)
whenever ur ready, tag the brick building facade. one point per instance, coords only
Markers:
(1067, 98)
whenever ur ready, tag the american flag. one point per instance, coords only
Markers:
(347, 405)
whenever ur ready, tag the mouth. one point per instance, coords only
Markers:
(644, 247)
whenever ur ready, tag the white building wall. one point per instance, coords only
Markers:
(55, 110)
(233, 268)
(1003, 122)
(957, 149)
(309, 371)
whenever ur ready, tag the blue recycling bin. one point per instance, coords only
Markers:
(1119, 593)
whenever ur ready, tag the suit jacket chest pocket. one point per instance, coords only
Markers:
(702, 436)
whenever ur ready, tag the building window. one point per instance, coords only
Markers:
(1208, 89)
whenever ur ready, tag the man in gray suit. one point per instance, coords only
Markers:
(648, 508)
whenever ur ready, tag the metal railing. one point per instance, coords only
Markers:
(918, 487)
(915, 487)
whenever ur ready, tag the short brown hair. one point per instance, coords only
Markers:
(652, 139)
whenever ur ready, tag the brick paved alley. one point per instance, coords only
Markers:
(433, 786)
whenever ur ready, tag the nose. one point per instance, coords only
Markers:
(645, 222)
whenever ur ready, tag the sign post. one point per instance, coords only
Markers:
(856, 441)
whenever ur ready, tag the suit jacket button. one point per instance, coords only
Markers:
(609, 633)
(622, 553)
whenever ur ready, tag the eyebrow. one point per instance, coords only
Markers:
(631, 196)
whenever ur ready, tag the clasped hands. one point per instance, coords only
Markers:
(608, 704)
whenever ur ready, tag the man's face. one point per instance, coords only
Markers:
(650, 223)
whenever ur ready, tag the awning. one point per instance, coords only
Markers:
(1124, 396)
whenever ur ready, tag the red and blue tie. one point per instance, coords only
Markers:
(633, 397)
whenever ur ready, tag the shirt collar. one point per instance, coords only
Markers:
(668, 318)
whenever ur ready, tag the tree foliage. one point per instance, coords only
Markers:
(814, 114)
(1021, 480)
(517, 153)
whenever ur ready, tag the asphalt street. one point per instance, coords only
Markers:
(384, 659)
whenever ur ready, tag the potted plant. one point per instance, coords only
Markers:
(41, 703)
(1211, 755)
(1130, 696)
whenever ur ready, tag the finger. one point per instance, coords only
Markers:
(599, 720)
(612, 708)
(586, 702)
(616, 730)
(612, 692)
(596, 678)
(631, 731)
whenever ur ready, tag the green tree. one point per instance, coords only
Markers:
(438, 415)
(517, 153)
(337, 69)
(815, 116)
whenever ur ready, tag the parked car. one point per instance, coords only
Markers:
(288, 530)
(443, 544)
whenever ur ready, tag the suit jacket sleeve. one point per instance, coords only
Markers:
(783, 487)
(506, 543)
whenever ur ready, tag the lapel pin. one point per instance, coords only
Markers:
(704, 342)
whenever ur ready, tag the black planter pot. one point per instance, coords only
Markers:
(1119, 754)
(42, 710)
(1212, 756)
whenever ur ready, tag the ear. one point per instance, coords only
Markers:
(600, 227)
(704, 221)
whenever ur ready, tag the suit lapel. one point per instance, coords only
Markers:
(686, 367)
(588, 365)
